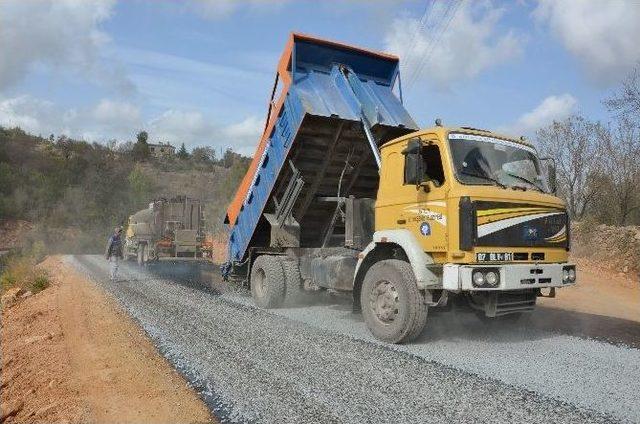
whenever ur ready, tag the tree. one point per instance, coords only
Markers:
(140, 149)
(203, 155)
(626, 101)
(182, 153)
(230, 157)
(620, 159)
(140, 185)
(142, 137)
(574, 145)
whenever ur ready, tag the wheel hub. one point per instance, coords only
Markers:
(384, 301)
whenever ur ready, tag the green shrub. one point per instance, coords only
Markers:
(40, 283)
(21, 271)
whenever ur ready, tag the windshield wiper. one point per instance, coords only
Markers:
(520, 177)
(484, 177)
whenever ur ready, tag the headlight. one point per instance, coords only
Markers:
(478, 278)
(491, 278)
(572, 274)
(565, 275)
(486, 277)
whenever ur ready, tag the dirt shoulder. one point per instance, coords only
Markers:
(600, 292)
(69, 354)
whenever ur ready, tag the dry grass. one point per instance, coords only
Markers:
(21, 270)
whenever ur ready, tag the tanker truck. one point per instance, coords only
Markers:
(346, 193)
(169, 229)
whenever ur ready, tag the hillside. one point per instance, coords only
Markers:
(72, 193)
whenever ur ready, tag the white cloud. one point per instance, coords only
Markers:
(552, 108)
(217, 9)
(470, 44)
(251, 127)
(177, 126)
(25, 112)
(110, 119)
(195, 129)
(602, 34)
(107, 120)
(111, 112)
(61, 35)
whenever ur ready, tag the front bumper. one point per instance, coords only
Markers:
(512, 276)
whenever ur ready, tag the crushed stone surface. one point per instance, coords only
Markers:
(318, 363)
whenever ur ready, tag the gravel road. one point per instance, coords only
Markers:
(319, 364)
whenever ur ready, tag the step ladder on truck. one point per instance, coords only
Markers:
(346, 193)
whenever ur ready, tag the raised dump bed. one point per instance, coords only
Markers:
(325, 99)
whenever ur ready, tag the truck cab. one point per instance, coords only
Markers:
(476, 214)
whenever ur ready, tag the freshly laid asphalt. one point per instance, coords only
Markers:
(318, 363)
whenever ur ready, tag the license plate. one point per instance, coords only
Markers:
(494, 257)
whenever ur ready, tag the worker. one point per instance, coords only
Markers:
(114, 252)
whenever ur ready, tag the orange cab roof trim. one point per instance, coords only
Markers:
(285, 77)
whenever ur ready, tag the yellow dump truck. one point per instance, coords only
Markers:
(169, 229)
(346, 193)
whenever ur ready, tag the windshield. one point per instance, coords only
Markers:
(491, 161)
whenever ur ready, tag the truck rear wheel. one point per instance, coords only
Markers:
(392, 306)
(267, 282)
(293, 280)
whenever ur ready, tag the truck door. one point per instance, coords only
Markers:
(402, 203)
(430, 212)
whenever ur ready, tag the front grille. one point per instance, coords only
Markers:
(516, 301)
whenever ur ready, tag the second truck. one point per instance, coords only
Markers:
(346, 193)
(169, 229)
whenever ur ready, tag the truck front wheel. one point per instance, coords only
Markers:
(392, 306)
(267, 282)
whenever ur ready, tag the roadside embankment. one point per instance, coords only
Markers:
(611, 248)
(69, 354)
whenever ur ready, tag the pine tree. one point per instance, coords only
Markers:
(182, 153)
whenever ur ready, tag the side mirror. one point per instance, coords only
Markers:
(413, 171)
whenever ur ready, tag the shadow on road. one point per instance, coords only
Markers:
(580, 324)
(460, 323)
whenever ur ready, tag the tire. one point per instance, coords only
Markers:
(267, 282)
(388, 284)
(141, 254)
(292, 278)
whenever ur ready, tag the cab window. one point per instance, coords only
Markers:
(431, 166)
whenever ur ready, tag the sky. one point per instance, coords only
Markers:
(200, 72)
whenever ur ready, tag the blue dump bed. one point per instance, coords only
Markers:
(326, 96)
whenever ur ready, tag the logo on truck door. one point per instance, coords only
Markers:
(425, 211)
(425, 229)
